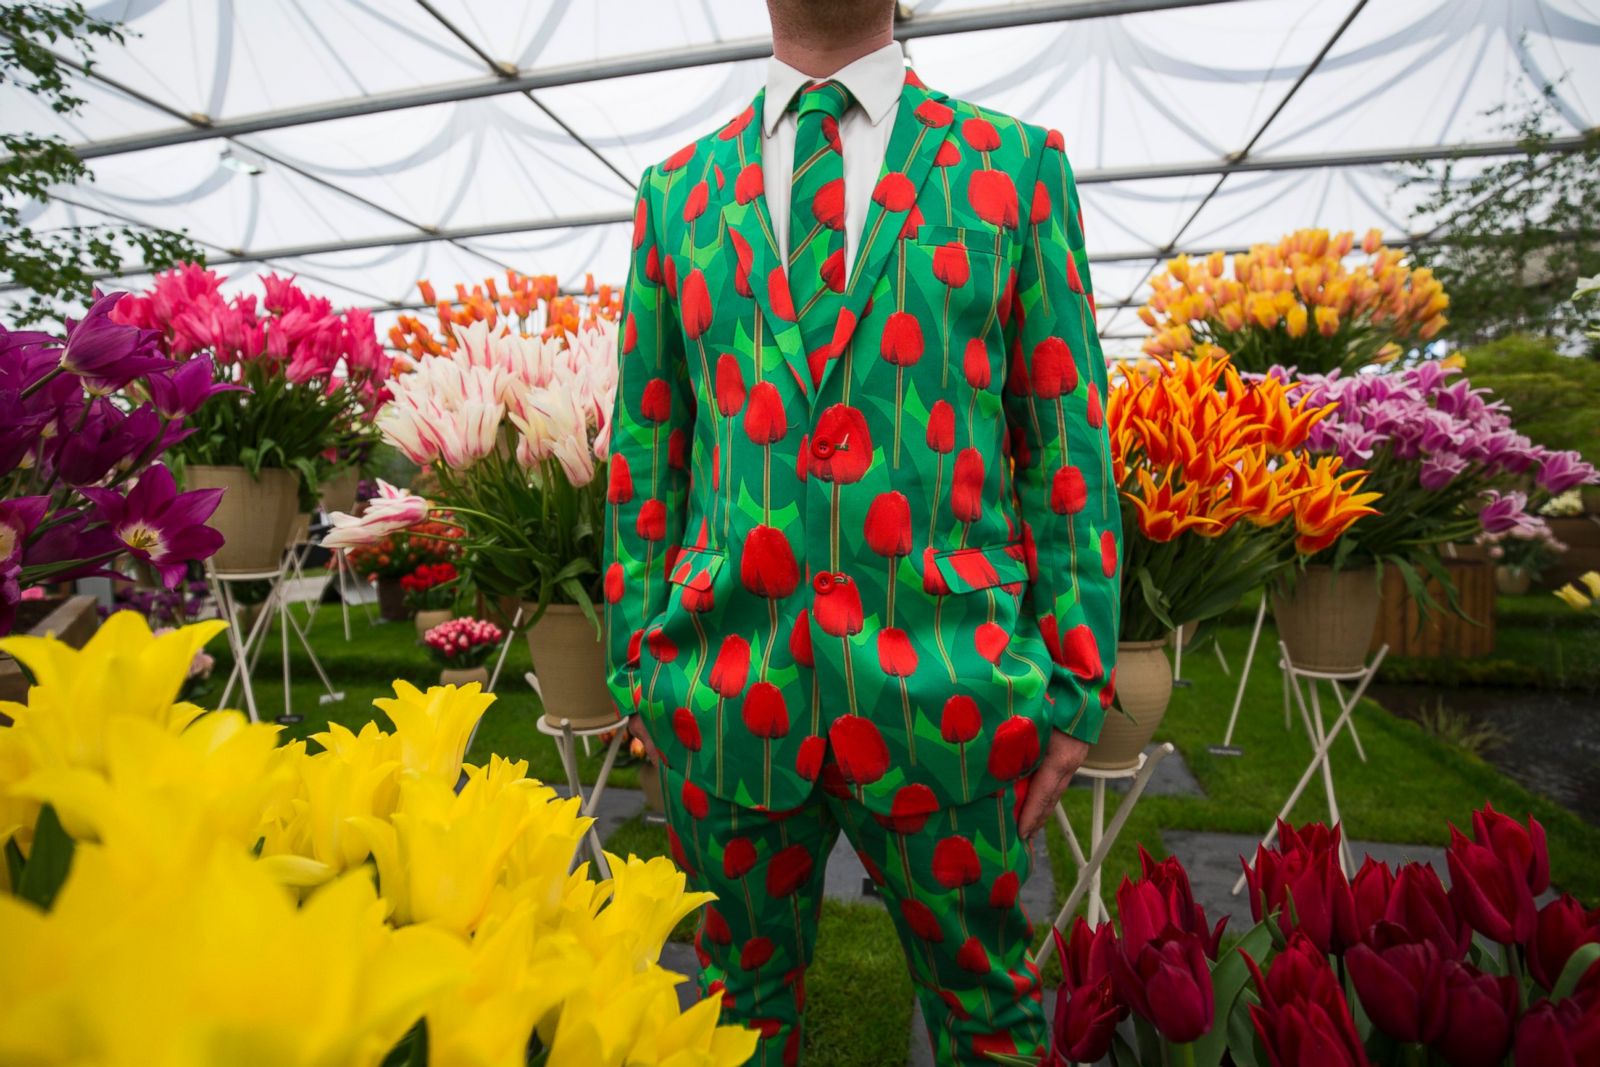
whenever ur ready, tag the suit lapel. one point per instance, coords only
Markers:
(921, 123)
(758, 267)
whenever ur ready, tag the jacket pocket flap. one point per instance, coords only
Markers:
(967, 570)
(694, 568)
(976, 239)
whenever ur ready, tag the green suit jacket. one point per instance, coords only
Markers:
(904, 542)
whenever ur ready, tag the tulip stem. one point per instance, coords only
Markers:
(1179, 1055)
(42, 382)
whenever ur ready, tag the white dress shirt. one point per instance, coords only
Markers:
(875, 80)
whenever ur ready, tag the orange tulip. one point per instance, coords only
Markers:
(1330, 504)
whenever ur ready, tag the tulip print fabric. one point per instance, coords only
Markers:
(881, 523)
(949, 876)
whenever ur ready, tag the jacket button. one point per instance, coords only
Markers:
(822, 582)
(821, 447)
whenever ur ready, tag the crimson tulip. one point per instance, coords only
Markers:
(1564, 1034)
(1303, 1019)
(1087, 1007)
(1371, 888)
(1478, 1011)
(1168, 983)
(1015, 748)
(1301, 881)
(1172, 904)
(1563, 926)
(788, 870)
(1395, 985)
(1488, 892)
(1419, 909)
(859, 749)
(955, 862)
(1520, 846)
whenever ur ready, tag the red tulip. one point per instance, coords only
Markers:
(686, 728)
(973, 957)
(912, 807)
(828, 206)
(922, 920)
(990, 639)
(1003, 893)
(662, 649)
(1302, 876)
(716, 927)
(694, 205)
(993, 197)
(800, 641)
(949, 154)
(1014, 750)
(888, 525)
(1521, 847)
(616, 583)
(779, 296)
(767, 565)
(950, 265)
(641, 223)
(1068, 493)
(788, 870)
(749, 184)
(1087, 1008)
(955, 862)
(981, 135)
(765, 714)
(669, 275)
(942, 427)
(1419, 910)
(730, 385)
(695, 305)
(743, 260)
(902, 339)
(808, 761)
(1491, 894)
(1173, 904)
(732, 667)
(1562, 928)
(975, 364)
(960, 720)
(765, 421)
(859, 749)
(738, 858)
(1110, 556)
(1169, 984)
(1303, 1019)
(1394, 985)
(756, 953)
(1075, 279)
(838, 608)
(834, 270)
(894, 192)
(896, 657)
(1094, 414)
(933, 582)
(966, 486)
(849, 452)
(655, 403)
(1566, 1034)
(1371, 889)
(678, 450)
(678, 159)
(695, 800)
(1478, 1011)
(1054, 374)
(933, 114)
(973, 567)
(1083, 653)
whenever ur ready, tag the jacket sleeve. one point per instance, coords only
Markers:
(647, 476)
(1055, 406)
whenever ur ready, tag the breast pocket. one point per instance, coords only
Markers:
(960, 272)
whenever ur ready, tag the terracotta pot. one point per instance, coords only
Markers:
(392, 600)
(1144, 689)
(427, 620)
(339, 491)
(1328, 619)
(72, 619)
(1512, 581)
(255, 515)
(463, 677)
(650, 783)
(570, 663)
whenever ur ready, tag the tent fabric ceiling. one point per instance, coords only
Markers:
(362, 206)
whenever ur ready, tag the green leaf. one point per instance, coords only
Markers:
(1228, 977)
(49, 861)
(1575, 969)
(14, 862)
(1242, 1040)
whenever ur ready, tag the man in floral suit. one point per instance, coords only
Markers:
(862, 530)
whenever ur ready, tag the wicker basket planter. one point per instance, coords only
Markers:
(1327, 620)
(570, 663)
(1144, 689)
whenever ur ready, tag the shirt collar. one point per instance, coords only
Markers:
(875, 80)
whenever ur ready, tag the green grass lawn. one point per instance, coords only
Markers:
(1410, 787)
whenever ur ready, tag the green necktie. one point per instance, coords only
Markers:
(816, 264)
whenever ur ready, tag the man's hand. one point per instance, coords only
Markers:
(635, 723)
(1062, 757)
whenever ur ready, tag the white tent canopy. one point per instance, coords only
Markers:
(364, 144)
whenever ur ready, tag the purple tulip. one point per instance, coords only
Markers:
(18, 518)
(179, 393)
(160, 525)
(1506, 513)
(1561, 471)
(72, 548)
(106, 354)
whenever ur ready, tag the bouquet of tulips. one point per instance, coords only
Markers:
(183, 887)
(509, 407)
(1389, 967)
(1296, 303)
(462, 643)
(314, 377)
(84, 420)
(1445, 456)
(431, 586)
(1217, 488)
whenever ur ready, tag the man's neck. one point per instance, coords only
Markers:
(818, 60)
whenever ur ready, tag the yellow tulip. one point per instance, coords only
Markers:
(1295, 321)
(1574, 599)
(433, 727)
(1327, 321)
(1591, 581)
